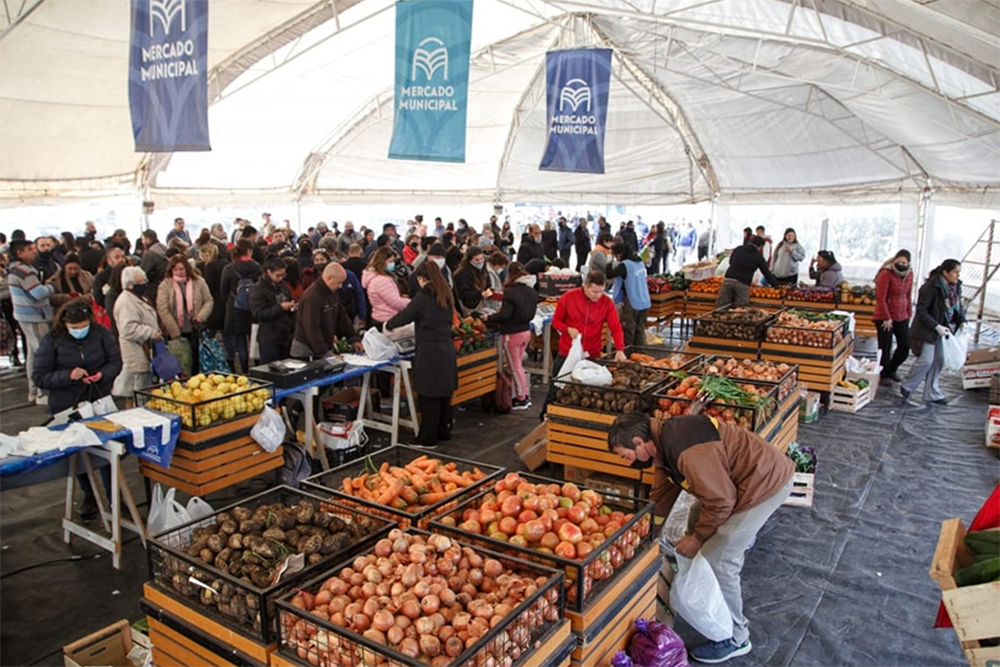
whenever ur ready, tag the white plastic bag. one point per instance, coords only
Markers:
(402, 333)
(269, 431)
(955, 348)
(697, 597)
(575, 356)
(346, 435)
(198, 508)
(587, 372)
(165, 513)
(378, 347)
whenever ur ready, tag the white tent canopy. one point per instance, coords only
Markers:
(741, 100)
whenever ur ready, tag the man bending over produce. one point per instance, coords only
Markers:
(743, 263)
(737, 479)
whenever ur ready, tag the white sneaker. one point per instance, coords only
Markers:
(42, 399)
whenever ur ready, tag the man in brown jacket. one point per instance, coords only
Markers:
(738, 480)
(322, 318)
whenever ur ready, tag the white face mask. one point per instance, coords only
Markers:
(439, 261)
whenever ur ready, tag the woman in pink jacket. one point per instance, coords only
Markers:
(893, 308)
(379, 284)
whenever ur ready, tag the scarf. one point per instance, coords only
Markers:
(179, 300)
(954, 302)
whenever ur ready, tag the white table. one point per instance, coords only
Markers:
(400, 371)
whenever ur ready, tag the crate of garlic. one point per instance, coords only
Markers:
(204, 401)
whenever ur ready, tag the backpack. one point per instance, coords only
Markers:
(298, 465)
(242, 299)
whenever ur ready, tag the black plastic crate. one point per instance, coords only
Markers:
(587, 577)
(309, 637)
(787, 382)
(750, 417)
(202, 414)
(228, 598)
(735, 323)
(332, 482)
(663, 357)
(808, 328)
(611, 399)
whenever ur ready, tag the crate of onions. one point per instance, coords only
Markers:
(422, 599)
(808, 328)
(590, 536)
(762, 371)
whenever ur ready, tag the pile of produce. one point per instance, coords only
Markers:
(761, 292)
(733, 323)
(427, 598)
(679, 281)
(224, 397)
(659, 284)
(707, 286)
(985, 544)
(673, 361)
(560, 520)
(756, 371)
(858, 295)
(252, 546)
(421, 482)
(737, 403)
(856, 385)
(803, 456)
(469, 335)
(812, 294)
(796, 327)
(631, 377)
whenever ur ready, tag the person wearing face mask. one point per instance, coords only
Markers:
(737, 479)
(496, 264)
(437, 254)
(184, 303)
(272, 308)
(520, 300)
(939, 314)
(380, 285)
(893, 306)
(412, 249)
(137, 325)
(45, 261)
(531, 246)
(472, 282)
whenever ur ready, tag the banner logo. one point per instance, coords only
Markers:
(575, 93)
(430, 60)
(432, 80)
(577, 86)
(165, 11)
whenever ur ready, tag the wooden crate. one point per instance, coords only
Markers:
(580, 438)
(803, 487)
(819, 369)
(766, 303)
(811, 305)
(609, 627)
(477, 375)
(171, 648)
(209, 469)
(215, 435)
(697, 304)
(783, 427)
(741, 349)
(847, 399)
(864, 325)
(974, 610)
(172, 609)
(665, 305)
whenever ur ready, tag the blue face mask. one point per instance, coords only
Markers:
(390, 267)
(79, 334)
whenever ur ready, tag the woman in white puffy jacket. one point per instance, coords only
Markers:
(137, 325)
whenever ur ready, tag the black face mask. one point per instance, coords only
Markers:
(139, 290)
(902, 268)
(44, 254)
(640, 465)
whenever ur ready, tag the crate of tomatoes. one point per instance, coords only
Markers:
(741, 403)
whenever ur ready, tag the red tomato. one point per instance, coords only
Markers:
(576, 514)
(571, 533)
(583, 549)
(527, 515)
(534, 530)
(518, 540)
(512, 480)
(565, 550)
(602, 519)
(531, 502)
(471, 527)
(549, 540)
(508, 525)
(511, 506)
(589, 526)
(571, 491)
(487, 515)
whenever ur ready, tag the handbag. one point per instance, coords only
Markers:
(100, 314)
(164, 364)
(211, 358)
(181, 349)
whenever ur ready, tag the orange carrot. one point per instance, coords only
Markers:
(348, 486)
(408, 494)
(451, 487)
(388, 477)
(448, 476)
(435, 484)
(398, 472)
(391, 493)
(420, 459)
(431, 498)
(384, 467)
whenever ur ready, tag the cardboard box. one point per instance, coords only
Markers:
(993, 427)
(610, 484)
(533, 448)
(576, 475)
(118, 645)
(809, 407)
(980, 366)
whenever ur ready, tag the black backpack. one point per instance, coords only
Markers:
(242, 298)
(298, 465)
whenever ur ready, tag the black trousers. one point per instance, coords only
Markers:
(901, 332)
(435, 419)
(272, 352)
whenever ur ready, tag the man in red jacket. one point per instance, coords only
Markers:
(583, 312)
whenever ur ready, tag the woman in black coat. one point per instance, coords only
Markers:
(520, 300)
(435, 370)
(938, 314)
(273, 310)
(78, 360)
(237, 320)
(211, 266)
(472, 282)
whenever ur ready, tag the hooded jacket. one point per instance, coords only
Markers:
(829, 276)
(517, 310)
(137, 324)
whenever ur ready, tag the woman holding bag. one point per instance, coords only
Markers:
(184, 303)
(435, 371)
(520, 300)
(939, 314)
(137, 326)
(893, 308)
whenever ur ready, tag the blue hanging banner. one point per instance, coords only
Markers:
(168, 75)
(432, 80)
(577, 84)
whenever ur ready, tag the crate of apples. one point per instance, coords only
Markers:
(559, 524)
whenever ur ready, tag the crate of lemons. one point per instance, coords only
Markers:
(204, 400)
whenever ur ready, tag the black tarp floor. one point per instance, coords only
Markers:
(844, 582)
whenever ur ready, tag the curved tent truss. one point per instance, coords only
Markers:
(746, 100)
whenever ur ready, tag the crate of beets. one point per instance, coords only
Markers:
(225, 565)
(588, 535)
(404, 484)
(743, 403)
(422, 599)
(735, 323)
(631, 389)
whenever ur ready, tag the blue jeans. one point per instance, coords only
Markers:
(237, 344)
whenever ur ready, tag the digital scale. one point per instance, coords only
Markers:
(288, 373)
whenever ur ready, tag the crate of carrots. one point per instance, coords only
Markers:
(404, 484)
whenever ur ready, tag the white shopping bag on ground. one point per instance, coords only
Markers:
(696, 596)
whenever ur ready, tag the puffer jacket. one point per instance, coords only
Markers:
(517, 311)
(59, 354)
(137, 324)
(166, 305)
(383, 294)
(893, 300)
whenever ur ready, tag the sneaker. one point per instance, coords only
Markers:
(895, 377)
(904, 393)
(420, 445)
(940, 401)
(518, 404)
(42, 399)
(715, 652)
